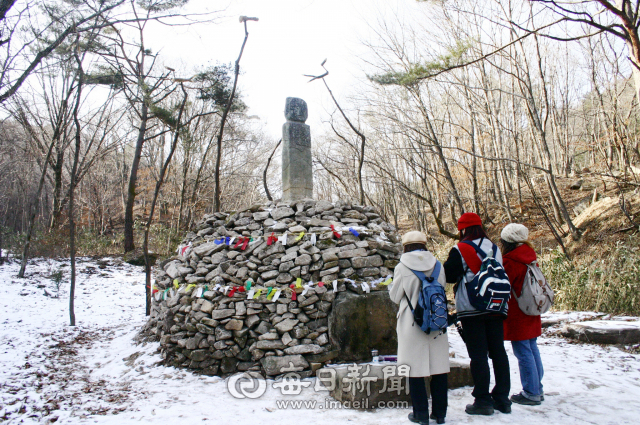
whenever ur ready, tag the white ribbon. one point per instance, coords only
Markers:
(283, 239)
(335, 286)
(276, 296)
(365, 287)
(313, 239)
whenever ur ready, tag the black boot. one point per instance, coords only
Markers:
(437, 419)
(472, 409)
(419, 419)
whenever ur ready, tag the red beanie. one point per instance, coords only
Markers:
(469, 219)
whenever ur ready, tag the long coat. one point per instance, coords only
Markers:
(519, 326)
(426, 355)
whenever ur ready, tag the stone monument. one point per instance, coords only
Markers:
(297, 176)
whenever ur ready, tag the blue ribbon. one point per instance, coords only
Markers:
(352, 230)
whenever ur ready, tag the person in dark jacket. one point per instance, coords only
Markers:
(522, 330)
(482, 330)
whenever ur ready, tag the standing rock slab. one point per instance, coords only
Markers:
(297, 176)
(358, 323)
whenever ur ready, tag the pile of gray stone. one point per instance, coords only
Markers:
(205, 321)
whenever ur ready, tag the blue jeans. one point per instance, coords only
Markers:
(530, 365)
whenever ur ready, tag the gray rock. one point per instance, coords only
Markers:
(274, 365)
(368, 272)
(251, 321)
(271, 345)
(358, 252)
(222, 314)
(303, 260)
(261, 215)
(222, 333)
(308, 301)
(604, 332)
(234, 325)
(305, 349)
(280, 213)
(205, 329)
(241, 308)
(286, 325)
(207, 249)
(284, 278)
(323, 339)
(329, 272)
(206, 307)
(263, 328)
(199, 355)
(361, 262)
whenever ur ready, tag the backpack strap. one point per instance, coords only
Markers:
(435, 274)
(470, 256)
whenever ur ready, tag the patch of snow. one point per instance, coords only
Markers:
(95, 373)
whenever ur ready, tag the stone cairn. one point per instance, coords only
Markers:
(253, 290)
(203, 323)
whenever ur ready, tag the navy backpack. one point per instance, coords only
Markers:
(490, 289)
(431, 311)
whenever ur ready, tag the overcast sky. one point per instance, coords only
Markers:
(291, 38)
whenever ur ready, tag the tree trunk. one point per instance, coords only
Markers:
(129, 244)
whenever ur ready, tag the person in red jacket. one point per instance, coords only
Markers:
(522, 330)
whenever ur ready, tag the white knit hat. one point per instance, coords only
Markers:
(515, 233)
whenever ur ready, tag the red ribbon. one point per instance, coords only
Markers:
(335, 233)
(154, 290)
(232, 292)
(271, 239)
(241, 289)
(246, 243)
(321, 284)
(294, 296)
(240, 239)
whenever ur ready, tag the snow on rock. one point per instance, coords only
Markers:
(604, 331)
(96, 373)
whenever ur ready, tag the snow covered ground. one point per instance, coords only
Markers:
(95, 372)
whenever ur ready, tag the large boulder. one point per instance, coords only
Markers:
(360, 323)
(604, 331)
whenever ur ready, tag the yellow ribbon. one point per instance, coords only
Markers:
(270, 293)
(258, 292)
(386, 282)
(176, 283)
(298, 283)
(300, 236)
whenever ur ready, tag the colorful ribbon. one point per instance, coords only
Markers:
(386, 282)
(335, 232)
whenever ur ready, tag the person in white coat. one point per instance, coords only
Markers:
(426, 355)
